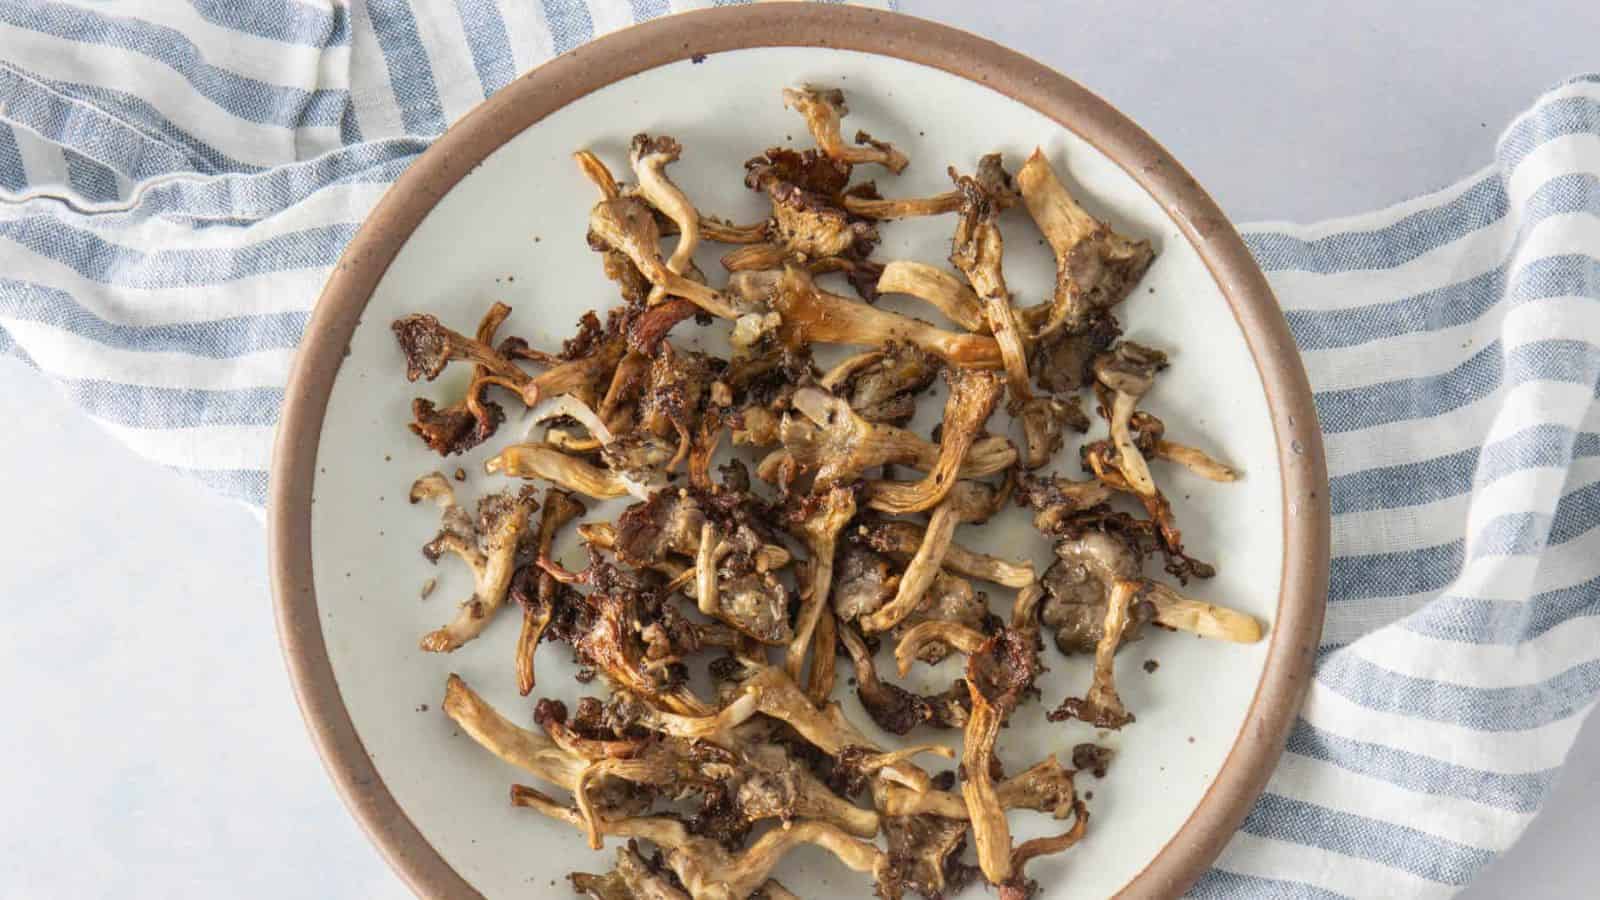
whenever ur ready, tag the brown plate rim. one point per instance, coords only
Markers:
(623, 54)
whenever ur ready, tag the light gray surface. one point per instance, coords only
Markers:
(152, 747)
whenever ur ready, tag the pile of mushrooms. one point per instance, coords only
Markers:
(831, 526)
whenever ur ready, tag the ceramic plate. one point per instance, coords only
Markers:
(497, 211)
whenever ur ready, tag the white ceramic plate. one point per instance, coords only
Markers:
(513, 230)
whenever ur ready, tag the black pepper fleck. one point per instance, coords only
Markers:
(1151, 665)
(697, 59)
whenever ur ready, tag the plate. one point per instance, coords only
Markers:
(496, 211)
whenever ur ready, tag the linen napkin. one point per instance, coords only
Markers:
(175, 186)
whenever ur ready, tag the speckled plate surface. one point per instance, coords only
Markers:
(497, 211)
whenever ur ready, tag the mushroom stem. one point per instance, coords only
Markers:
(1101, 706)
(527, 750)
(1195, 460)
(821, 530)
(972, 399)
(924, 567)
(956, 635)
(823, 108)
(991, 834)
(1174, 610)
(545, 462)
(938, 288)
(902, 207)
(1129, 460)
(811, 315)
(705, 563)
(839, 444)
(901, 539)
(722, 232)
(650, 158)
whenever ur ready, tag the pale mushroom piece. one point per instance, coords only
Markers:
(863, 200)
(527, 750)
(954, 634)
(649, 158)
(978, 251)
(823, 108)
(1196, 461)
(819, 522)
(968, 501)
(724, 232)
(1129, 371)
(541, 461)
(812, 315)
(755, 258)
(631, 879)
(936, 287)
(488, 545)
(626, 225)
(1174, 610)
(901, 539)
(972, 400)
(1095, 266)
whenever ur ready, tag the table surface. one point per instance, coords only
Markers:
(154, 624)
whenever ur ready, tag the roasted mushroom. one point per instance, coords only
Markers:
(901, 540)
(823, 108)
(1095, 266)
(488, 545)
(539, 603)
(972, 399)
(968, 501)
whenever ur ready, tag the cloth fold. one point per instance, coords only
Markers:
(173, 194)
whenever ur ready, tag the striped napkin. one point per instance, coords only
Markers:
(175, 187)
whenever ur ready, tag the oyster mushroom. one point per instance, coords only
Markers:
(1129, 371)
(542, 461)
(631, 879)
(1045, 787)
(839, 444)
(977, 251)
(1043, 418)
(895, 709)
(470, 421)
(915, 640)
(972, 399)
(812, 315)
(1101, 706)
(883, 385)
(649, 158)
(625, 225)
(819, 519)
(864, 201)
(901, 540)
(967, 502)
(1095, 266)
(538, 607)
(488, 545)
(823, 108)
(998, 674)
(936, 287)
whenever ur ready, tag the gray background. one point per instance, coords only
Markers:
(152, 747)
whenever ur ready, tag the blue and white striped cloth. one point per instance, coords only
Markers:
(176, 181)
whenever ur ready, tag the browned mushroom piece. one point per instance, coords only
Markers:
(967, 502)
(901, 539)
(1128, 371)
(863, 199)
(937, 288)
(978, 251)
(883, 385)
(895, 709)
(626, 225)
(1149, 435)
(471, 420)
(812, 315)
(925, 854)
(1078, 586)
(1096, 267)
(429, 346)
(546, 463)
(838, 444)
(487, 543)
(972, 399)
(724, 232)
(1101, 706)
(650, 158)
(935, 634)
(538, 605)
(823, 108)
(1058, 502)
(1062, 362)
(999, 673)
(1043, 419)
(707, 869)
(632, 879)
(818, 519)
(807, 222)
(1045, 787)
